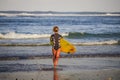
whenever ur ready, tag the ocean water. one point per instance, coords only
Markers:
(23, 32)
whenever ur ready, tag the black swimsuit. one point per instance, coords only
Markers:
(55, 39)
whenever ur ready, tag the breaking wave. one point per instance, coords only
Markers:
(110, 42)
(76, 35)
(71, 35)
(13, 35)
(28, 14)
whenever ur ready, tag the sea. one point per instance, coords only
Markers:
(25, 34)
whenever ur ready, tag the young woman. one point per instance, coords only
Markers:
(55, 42)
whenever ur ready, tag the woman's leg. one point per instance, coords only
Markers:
(54, 52)
(56, 55)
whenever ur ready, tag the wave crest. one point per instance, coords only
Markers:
(13, 35)
(36, 14)
(111, 42)
(78, 35)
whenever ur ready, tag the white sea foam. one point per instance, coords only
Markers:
(110, 42)
(57, 14)
(13, 35)
(7, 14)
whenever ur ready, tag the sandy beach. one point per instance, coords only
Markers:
(106, 68)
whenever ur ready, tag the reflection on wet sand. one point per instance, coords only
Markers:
(55, 74)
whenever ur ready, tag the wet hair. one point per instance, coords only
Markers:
(55, 29)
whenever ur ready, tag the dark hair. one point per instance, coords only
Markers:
(55, 29)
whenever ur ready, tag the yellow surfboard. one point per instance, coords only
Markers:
(67, 47)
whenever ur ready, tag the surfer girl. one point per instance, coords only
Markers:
(55, 42)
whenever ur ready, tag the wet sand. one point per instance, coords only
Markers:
(107, 68)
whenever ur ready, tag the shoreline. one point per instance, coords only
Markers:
(25, 57)
(106, 68)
